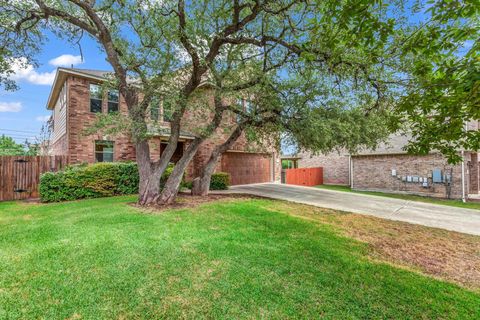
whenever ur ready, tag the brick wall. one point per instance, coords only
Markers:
(374, 172)
(335, 166)
(82, 146)
(473, 172)
(60, 146)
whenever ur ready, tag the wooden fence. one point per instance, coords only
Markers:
(20, 175)
(304, 176)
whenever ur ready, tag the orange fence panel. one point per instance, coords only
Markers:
(304, 176)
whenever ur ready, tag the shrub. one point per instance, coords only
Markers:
(105, 180)
(220, 181)
(92, 181)
(166, 174)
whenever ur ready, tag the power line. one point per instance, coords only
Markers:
(22, 131)
(17, 134)
(20, 137)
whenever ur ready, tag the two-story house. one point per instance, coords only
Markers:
(76, 98)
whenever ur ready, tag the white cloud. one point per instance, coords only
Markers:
(10, 106)
(42, 118)
(66, 60)
(26, 72)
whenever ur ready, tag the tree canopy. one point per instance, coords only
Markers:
(331, 74)
(8, 147)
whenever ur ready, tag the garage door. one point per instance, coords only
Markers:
(245, 168)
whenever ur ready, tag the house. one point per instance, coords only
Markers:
(389, 168)
(76, 98)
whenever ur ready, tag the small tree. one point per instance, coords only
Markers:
(8, 147)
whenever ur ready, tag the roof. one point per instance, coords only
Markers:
(98, 75)
(165, 132)
(394, 145)
(61, 76)
(290, 157)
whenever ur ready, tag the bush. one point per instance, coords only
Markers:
(105, 180)
(220, 181)
(92, 181)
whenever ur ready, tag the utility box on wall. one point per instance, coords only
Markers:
(437, 176)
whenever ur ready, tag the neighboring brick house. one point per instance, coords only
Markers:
(389, 168)
(75, 100)
(335, 166)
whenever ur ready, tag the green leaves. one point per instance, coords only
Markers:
(443, 102)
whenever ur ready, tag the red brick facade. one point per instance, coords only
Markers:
(407, 173)
(81, 147)
(398, 173)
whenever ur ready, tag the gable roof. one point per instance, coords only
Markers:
(63, 73)
(98, 75)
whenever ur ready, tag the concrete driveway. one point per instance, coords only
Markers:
(431, 215)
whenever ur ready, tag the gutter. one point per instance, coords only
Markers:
(464, 199)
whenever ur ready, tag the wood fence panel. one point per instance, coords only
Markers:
(20, 175)
(304, 176)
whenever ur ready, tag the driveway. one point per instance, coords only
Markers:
(431, 215)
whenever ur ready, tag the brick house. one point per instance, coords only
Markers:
(390, 169)
(75, 100)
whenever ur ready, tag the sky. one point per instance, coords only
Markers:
(22, 112)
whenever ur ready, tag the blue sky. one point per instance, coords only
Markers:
(23, 112)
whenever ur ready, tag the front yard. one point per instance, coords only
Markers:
(233, 258)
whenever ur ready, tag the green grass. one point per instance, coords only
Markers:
(101, 258)
(445, 202)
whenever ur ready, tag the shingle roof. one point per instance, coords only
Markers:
(93, 73)
(165, 132)
(394, 145)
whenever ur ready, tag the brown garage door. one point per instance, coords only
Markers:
(245, 168)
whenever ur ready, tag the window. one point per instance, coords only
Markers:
(103, 151)
(155, 109)
(113, 100)
(95, 98)
(167, 111)
(238, 117)
(249, 106)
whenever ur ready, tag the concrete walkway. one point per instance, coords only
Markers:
(431, 215)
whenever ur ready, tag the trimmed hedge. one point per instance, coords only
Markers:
(104, 179)
(220, 181)
(89, 181)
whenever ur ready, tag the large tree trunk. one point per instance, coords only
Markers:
(171, 187)
(149, 176)
(201, 184)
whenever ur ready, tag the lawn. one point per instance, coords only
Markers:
(410, 197)
(233, 258)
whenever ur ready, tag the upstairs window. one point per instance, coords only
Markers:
(167, 111)
(113, 98)
(240, 104)
(103, 151)
(155, 109)
(249, 107)
(95, 98)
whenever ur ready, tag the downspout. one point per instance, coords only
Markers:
(463, 177)
(350, 170)
(464, 198)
